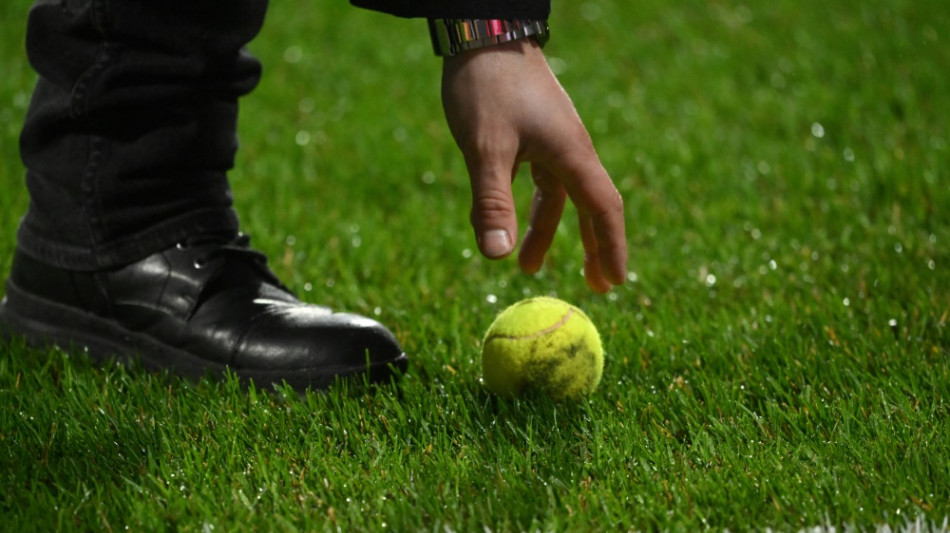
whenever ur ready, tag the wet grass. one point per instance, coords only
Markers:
(778, 359)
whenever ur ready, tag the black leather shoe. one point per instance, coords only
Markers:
(205, 305)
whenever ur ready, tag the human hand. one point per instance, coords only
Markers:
(505, 107)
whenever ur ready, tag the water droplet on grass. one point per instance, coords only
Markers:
(306, 105)
(400, 134)
(557, 65)
(616, 99)
(293, 54)
(777, 80)
(591, 11)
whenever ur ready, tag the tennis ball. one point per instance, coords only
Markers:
(542, 343)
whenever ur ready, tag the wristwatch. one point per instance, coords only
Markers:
(452, 36)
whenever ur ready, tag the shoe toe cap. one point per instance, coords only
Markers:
(309, 338)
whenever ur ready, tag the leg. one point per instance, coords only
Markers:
(136, 102)
(130, 246)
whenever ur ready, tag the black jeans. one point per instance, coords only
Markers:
(132, 125)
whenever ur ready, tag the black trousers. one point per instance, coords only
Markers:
(132, 125)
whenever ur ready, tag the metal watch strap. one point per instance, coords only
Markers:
(452, 36)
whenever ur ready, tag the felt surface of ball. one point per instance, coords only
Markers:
(545, 344)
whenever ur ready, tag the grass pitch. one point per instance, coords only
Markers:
(778, 359)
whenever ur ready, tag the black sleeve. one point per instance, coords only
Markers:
(476, 9)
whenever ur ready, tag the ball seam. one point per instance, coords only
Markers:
(567, 316)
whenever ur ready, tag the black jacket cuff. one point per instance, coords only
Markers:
(472, 9)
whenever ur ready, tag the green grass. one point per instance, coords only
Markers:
(780, 358)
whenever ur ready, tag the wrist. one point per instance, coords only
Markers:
(453, 36)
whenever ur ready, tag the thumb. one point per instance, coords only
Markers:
(493, 210)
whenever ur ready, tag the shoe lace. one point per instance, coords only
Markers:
(221, 246)
(236, 249)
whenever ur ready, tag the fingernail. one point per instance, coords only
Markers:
(496, 243)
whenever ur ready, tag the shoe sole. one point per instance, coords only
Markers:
(45, 323)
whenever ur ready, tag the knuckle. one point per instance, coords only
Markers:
(607, 207)
(491, 203)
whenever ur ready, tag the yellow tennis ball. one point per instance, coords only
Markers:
(542, 343)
